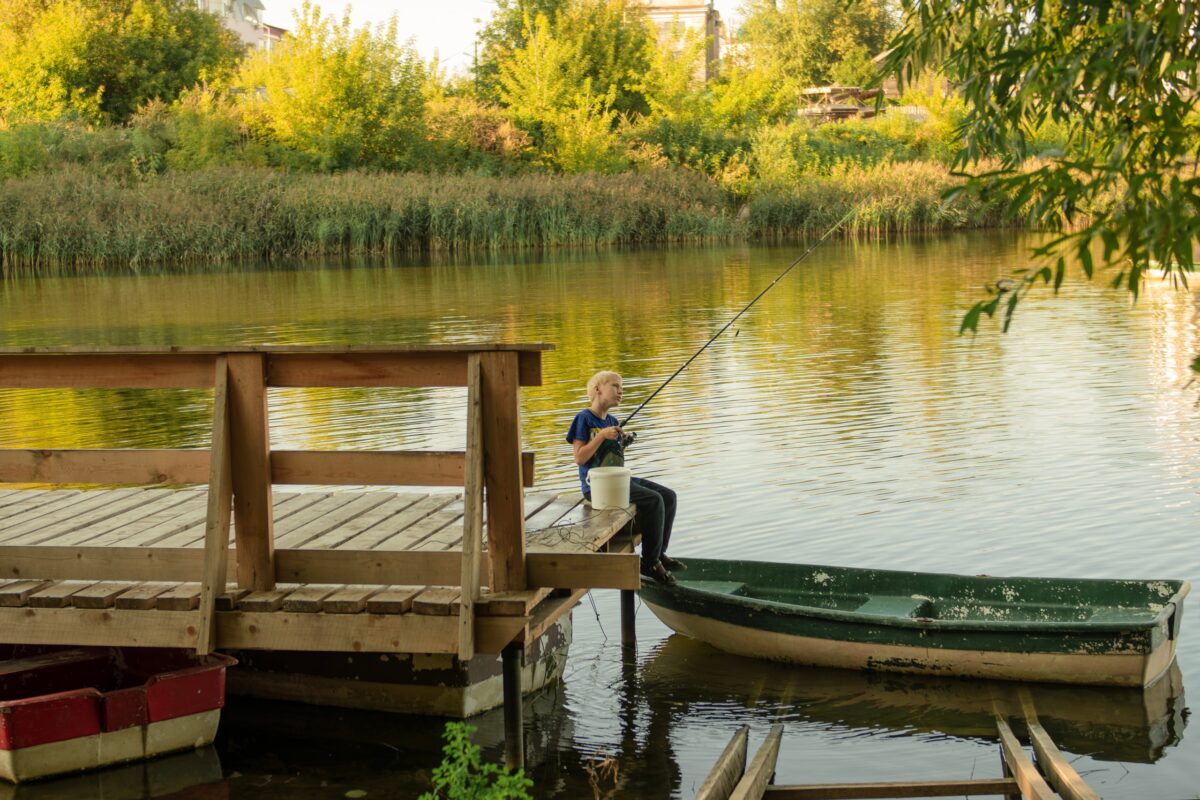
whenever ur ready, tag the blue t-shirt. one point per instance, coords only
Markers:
(584, 428)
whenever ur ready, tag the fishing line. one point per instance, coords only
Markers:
(746, 308)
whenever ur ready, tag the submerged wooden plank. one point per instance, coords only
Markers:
(1059, 772)
(754, 783)
(1030, 781)
(726, 773)
(975, 787)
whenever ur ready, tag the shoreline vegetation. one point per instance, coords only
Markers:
(73, 220)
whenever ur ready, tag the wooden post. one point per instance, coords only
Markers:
(628, 628)
(472, 511)
(220, 502)
(514, 726)
(251, 461)
(502, 471)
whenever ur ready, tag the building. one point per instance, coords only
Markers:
(691, 15)
(244, 18)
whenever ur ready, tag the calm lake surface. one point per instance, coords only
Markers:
(842, 421)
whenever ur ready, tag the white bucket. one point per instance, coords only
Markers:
(610, 487)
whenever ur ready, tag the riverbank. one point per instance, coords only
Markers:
(73, 220)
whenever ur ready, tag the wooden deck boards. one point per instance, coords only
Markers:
(315, 520)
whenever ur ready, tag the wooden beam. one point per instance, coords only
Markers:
(93, 371)
(873, 791)
(728, 770)
(1059, 772)
(502, 471)
(104, 466)
(251, 459)
(472, 512)
(220, 506)
(357, 567)
(1029, 780)
(754, 783)
(371, 633)
(376, 468)
(395, 368)
(582, 571)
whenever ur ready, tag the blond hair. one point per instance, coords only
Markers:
(601, 378)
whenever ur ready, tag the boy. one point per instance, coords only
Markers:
(599, 441)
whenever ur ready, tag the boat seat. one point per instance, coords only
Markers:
(718, 587)
(886, 605)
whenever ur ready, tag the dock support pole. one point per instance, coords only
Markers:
(628, 631)
(514, 726)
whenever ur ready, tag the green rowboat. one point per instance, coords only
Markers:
(1061, 630)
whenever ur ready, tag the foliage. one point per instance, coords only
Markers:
(804, 42)
(1115, 83)
(462, 775)
(503, 34)
(467, 135)
(98, 60)
(336, 97)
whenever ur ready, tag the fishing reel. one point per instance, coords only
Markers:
(627, 439)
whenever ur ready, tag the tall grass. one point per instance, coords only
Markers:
(885, 198)
(72, 219)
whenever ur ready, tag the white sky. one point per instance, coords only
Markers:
(445, 26)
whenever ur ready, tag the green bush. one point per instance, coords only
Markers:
(462, 775)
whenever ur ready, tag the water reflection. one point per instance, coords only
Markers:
(195, 775)
(1128, 725)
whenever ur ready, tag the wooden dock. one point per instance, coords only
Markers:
(350, 568)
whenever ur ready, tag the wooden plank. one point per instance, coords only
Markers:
(70, 509)
(396, 368)
(80, 517)
(1029, 780)
(511, 604)
(502, 471)
(103, 466)
(306, 349)
(338, 510)
(392, 505)
(549, 514)
(583, 570)
(370, 567)
(91, 371)
(251, 459)
(754, 783)
(393, 600)
(376, 468)
(142, 596)
(728, 769)
(18, 502)
(16, 593)
(440, 601)
(587, 535)
(57, 595)
(160, 528)
(975, 787)
(398, 523)
(184, 597)
(307, 599)
(472, 539)
(1058, 771)
(157, 504)
(429, 525)
(293, 504)
(99, 595)
(270, 600)
(217, 515)
(372, 633)
(349, 600)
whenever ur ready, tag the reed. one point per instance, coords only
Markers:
(71, 219)
(905, 197)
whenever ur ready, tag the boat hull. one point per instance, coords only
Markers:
(1105, 633)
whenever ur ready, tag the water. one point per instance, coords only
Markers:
(843, 421)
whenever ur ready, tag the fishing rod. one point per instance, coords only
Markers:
(746, 308)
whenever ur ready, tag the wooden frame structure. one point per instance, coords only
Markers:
(240, 469)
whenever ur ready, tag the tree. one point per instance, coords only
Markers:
(99, 60)
(338, 97)
(803, 42)
(1121, 78)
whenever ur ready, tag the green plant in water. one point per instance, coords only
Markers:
(462, 775)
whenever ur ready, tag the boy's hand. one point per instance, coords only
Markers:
(611, 432)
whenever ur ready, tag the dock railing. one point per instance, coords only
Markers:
(240, 469)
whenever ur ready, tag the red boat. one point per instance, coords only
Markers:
(68, 710)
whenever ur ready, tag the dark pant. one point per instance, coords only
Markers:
(655, 516)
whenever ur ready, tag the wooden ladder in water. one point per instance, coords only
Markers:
(731, 779)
